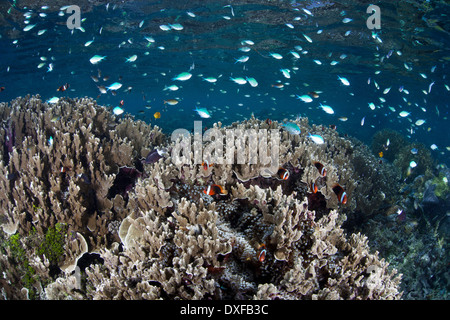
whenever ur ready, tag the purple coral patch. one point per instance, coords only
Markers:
(124, 182)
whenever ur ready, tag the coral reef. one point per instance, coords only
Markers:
(397, 150)
(90, 213)
(59, 168)
(414, 230)
(417, 245)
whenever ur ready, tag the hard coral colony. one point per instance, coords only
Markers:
(157, 234)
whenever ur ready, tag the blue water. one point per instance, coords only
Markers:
(209, 45)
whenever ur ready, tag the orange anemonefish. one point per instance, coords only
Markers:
(283, 173)
(206, 165)
(313, 187)
(63, 88)
(262, 253)
(65, 169)
(340, 193)
(215, 189)
(321, 168)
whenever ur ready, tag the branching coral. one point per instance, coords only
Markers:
(63, 163)
(159, 235)
(58, 172)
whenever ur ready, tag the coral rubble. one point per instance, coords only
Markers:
(115, 222)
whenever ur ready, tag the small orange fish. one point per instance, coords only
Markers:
(381, 154)
(340, 193)
(268, 121)
(313, 187)
(157, 115)
(262, 252)
(215, 189)
(63, 88)
(283, 173)
(321, 168)
(206, 165)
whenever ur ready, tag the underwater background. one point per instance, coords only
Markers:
(162, 61)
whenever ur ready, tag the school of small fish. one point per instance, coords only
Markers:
(406, 109)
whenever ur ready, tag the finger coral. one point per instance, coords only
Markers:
(133, 225)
